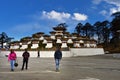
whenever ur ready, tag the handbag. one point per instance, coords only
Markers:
(16, 63)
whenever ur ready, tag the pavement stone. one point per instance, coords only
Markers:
(102, 67)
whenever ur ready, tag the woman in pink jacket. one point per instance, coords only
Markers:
(12, 57)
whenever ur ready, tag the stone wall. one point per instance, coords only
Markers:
(71, 53)
(86, 51)
(34, 53)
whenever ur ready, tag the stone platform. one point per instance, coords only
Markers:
(71, 53)
(103, 67)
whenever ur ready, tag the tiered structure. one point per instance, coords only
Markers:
(57, 37)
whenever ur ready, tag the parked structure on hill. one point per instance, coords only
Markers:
(58, 37)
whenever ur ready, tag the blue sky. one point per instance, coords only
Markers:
(21, 18)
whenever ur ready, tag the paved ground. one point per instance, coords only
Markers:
(76, 68)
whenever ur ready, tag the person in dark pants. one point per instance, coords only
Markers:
(26, 56)
(57, 57)
(38, 54)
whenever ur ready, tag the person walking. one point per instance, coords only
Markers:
(57, 57)
(11, 58)
(38, 53)
(25, 56)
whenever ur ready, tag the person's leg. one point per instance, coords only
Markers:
(26, 64)
(57, 64)
(12, 64)
(23, 64)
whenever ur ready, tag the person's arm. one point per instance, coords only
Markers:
(15, 56)
(23, 55)
(9, 57)
(55, 55)
(28, 54)
(61, 54)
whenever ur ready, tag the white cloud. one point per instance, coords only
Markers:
(79, 17)
(113, 10)
(114, 2)
(115, 6)
(96, 1)
(56, 15)
(103, 12)
(63, 17)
